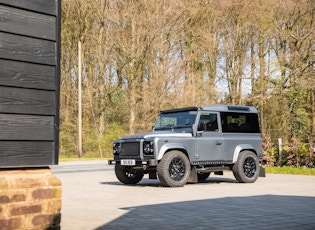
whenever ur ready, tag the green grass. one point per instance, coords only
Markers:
(69, 159)
(290, 170)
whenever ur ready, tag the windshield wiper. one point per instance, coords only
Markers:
(163, 128)
(172, 127)
(182, 126)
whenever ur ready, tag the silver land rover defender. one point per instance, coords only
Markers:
(187, 144)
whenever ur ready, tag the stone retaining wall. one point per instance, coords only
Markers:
(29, 199)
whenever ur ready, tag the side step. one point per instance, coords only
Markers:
(214, 169)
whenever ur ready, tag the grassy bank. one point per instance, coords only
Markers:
(290, 170)
(62, 159)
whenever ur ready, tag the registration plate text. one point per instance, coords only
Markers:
(128, 162)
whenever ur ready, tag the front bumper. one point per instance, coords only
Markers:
(151, 162)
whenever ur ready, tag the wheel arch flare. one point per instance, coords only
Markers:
(172, 146)
(241, 148)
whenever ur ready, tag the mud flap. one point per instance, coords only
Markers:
(193, 178)
(262, 172)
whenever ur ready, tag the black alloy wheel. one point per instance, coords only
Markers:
(246, 169)
(174, 169)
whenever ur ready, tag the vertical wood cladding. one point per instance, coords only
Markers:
(29, 82)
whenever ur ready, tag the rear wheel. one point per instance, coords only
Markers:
(174, 169)
(246, 169)
(128, 175)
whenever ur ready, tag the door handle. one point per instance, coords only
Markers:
(218, 143)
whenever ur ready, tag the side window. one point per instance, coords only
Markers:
(240, 122)
(208, 122)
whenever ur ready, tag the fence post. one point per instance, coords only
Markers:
(280, 151)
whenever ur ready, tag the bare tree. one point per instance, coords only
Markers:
(140, 57)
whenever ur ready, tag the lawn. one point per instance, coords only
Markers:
(290, 170)
(69, 159)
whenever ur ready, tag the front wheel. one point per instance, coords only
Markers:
(127, 175)
(174, 169)
(246, 169)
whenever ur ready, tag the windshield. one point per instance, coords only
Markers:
(176, 120)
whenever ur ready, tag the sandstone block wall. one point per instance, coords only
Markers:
(29, 199)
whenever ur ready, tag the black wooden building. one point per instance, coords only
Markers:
(29, 82)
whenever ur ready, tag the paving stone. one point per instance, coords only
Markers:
(96, 200)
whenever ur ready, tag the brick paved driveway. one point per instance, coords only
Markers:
(94, 199)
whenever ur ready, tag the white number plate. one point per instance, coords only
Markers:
(128, 162)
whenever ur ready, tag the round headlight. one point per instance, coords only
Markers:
(148, 147)
(116, 148)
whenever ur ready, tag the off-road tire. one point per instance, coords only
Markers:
(174, 169)
(127, 175)
(246, 169)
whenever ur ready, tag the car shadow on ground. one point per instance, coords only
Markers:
(253, 212)
(156, 183)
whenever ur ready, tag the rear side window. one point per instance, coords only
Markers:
(239, 122)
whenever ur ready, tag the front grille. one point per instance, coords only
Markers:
(130, 149)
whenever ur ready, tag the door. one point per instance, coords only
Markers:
(209, 138)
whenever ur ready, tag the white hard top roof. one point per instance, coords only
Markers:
(217, 108)
(229, 108)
